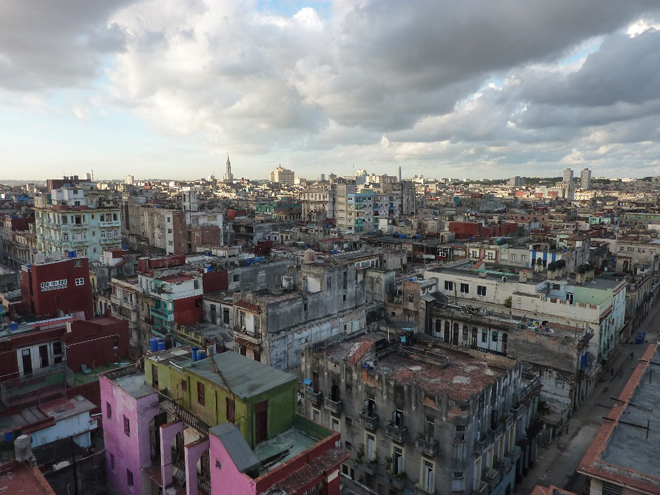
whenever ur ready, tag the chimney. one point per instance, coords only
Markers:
(581, 275)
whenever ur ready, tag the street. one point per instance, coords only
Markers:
(556, 465)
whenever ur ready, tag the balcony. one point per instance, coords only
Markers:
(493, 475)
(396, 481)
(369, 422)
(371, 467)
(427, 445)
(420, 490)
(481, 488)
(162, 313)
(110, 240)
(241, 333)
(314, 397)
(514, 455)
(334, 406)
(480, 446)
(396, 433)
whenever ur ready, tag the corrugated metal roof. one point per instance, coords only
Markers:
(246, 377)
(235, 445)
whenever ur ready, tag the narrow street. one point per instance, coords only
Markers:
(556, 465)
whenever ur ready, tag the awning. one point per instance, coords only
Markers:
(307, 381)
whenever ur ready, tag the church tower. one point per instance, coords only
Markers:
(229, 177)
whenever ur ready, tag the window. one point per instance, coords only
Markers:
(129, 478)
(484, 336)
(112, 461)
(449, 285)
(236, 278)
(329, 283)
(127, 426)
(429, 428)
(397, 460)
(481, 290)
(80, 281)
(371, 447)
(512, 257)
(316, 415)
(348, 471)
(457, 482)
(231, 409)
(335, 423)
(154, 376)
(108, 410)
(465, 288)
(77, 263)
(494, 336)
(184, 386)
(427, 475)
(201, 399)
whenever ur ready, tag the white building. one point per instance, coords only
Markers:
(282, 175)
(72, 219)
(585, 179)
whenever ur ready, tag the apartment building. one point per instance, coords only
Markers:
(76, 220)
(580, 302)
(213, 425)
(319, 203)
(282, 175)
(416, 416)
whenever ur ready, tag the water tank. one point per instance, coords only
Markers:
(195, 350)
(201, 355)
(72, 254)
(161, 345)
(23, 448)
(153, 344)
(9, 436)
(13, 326)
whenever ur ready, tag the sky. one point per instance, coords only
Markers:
(469, 89)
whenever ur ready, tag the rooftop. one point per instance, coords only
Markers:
(627, 447)
(463, 376)
(20, 478)
(246, 377)
(132, 381)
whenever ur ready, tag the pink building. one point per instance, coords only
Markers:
(129, 407)
(154, 446)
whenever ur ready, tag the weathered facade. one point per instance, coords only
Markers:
(423, 417)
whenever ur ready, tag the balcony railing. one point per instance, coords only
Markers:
(334, 406)
(314, 397)
(369, 422)
(515, 453)
(187, 417)
(481, 487)
(396, 433)
(428, 446)
(43, 384)
(242, 333)
(162, 313)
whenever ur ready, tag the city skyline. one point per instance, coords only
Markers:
(476, 91)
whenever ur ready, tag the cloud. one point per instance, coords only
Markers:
(478, 87)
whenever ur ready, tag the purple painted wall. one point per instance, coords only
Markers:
(130, 452)
(227, 476)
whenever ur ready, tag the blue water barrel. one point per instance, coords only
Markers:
(13, 326)
(153, 344)
(194, 353)
(201, 355)
(161, 345)
(9, 436)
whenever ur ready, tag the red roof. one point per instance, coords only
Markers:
(254, 308)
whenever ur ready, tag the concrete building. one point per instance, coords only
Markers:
(623, 457)
(229, 176)
(416, 416)
(319, 203)
(585, 179)
(282, 175)
(52, 288)
(73, 219)
(568, 176)
(333, 297)
(584, 302)
(220, 424)
(516, 181)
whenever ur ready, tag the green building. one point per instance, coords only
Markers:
(261, 401)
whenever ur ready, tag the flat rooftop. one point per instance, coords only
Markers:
(293, 439)
(462, 377)
(131, 381)
(20, 478)
(627, 447)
